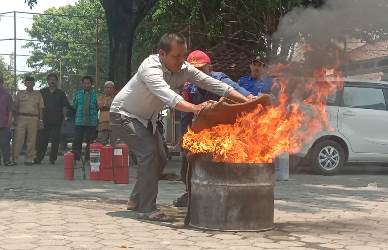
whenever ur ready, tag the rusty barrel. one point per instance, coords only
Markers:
(232, 196)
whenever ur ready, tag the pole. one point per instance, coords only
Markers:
(345, 56)
(97, 55)
(189, 35)
(14, 49)
(60, 73)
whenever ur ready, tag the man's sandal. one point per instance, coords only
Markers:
(155, 216)
(131, 205)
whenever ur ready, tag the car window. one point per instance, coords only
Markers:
(331, 100)
(365, 98)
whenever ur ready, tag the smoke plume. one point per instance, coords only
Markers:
(324, 32)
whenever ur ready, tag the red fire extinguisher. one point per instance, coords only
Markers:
(95, 161)
(107, 163)
(69, 166)
(120, 164)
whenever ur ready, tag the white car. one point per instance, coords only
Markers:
(358, 116)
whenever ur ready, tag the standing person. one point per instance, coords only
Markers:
(135, 109)
(104, 103)
(86, 116)
(196, 95)
(28, 115)
(5, 124)
(54, 114)
(257, 82)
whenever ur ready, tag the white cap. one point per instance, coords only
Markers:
(109, 83)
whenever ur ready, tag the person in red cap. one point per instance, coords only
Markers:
(196, 95)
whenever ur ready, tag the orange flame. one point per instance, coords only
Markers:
(259, 136)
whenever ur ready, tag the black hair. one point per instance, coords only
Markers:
(166, 40)
(52, 75)
(87, 78)
(29, 78)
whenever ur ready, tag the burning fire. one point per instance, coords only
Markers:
(259, 136)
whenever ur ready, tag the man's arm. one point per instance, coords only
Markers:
(153, 78)
(66, 104)
(213, 85)
(10, 110)
(40, 107)
(226, 79)
(75, 102)
(267, 85)
(15, 108)
(185, 106)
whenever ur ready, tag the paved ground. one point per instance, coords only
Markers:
(39, 210)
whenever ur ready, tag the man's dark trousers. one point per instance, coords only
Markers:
(53, 132)
(150, 154)
(5, 149)
(83, 133)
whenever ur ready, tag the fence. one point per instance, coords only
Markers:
(16, 22)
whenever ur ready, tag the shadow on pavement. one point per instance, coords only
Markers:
(176, 213)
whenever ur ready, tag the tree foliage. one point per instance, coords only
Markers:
(67, 41)
(206, 23)
(134, 34)
(7, 76)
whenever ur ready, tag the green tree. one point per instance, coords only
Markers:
(67, 42)
(7, 76)
(122, 19)
(250, 23)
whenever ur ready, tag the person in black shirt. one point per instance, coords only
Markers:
(54, 114)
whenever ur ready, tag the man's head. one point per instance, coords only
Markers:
(52, 80)
(256, 67)
(87, 83)
(172, 51)
(200, 60)
(29, 82)
(109, 88)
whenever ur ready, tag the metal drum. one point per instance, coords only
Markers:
(232, 196)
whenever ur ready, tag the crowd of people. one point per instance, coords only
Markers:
(185, 83)
(39, 115)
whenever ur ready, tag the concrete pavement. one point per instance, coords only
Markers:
(39, 210)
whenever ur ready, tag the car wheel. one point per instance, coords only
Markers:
(328, 157)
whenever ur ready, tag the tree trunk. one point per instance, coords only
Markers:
(122, 19)
(120, 46)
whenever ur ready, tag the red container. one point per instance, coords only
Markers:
(68, 166)
(95, 161)
(107, 163)
(120, 164)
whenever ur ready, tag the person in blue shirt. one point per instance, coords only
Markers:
(256, 82)
(196, 95)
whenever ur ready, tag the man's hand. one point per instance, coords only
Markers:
(185, 106)
(251, 97)
(40, 124)
(236, 96)
(64, 121)
(205, 105)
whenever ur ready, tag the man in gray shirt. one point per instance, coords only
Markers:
(135, 109)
